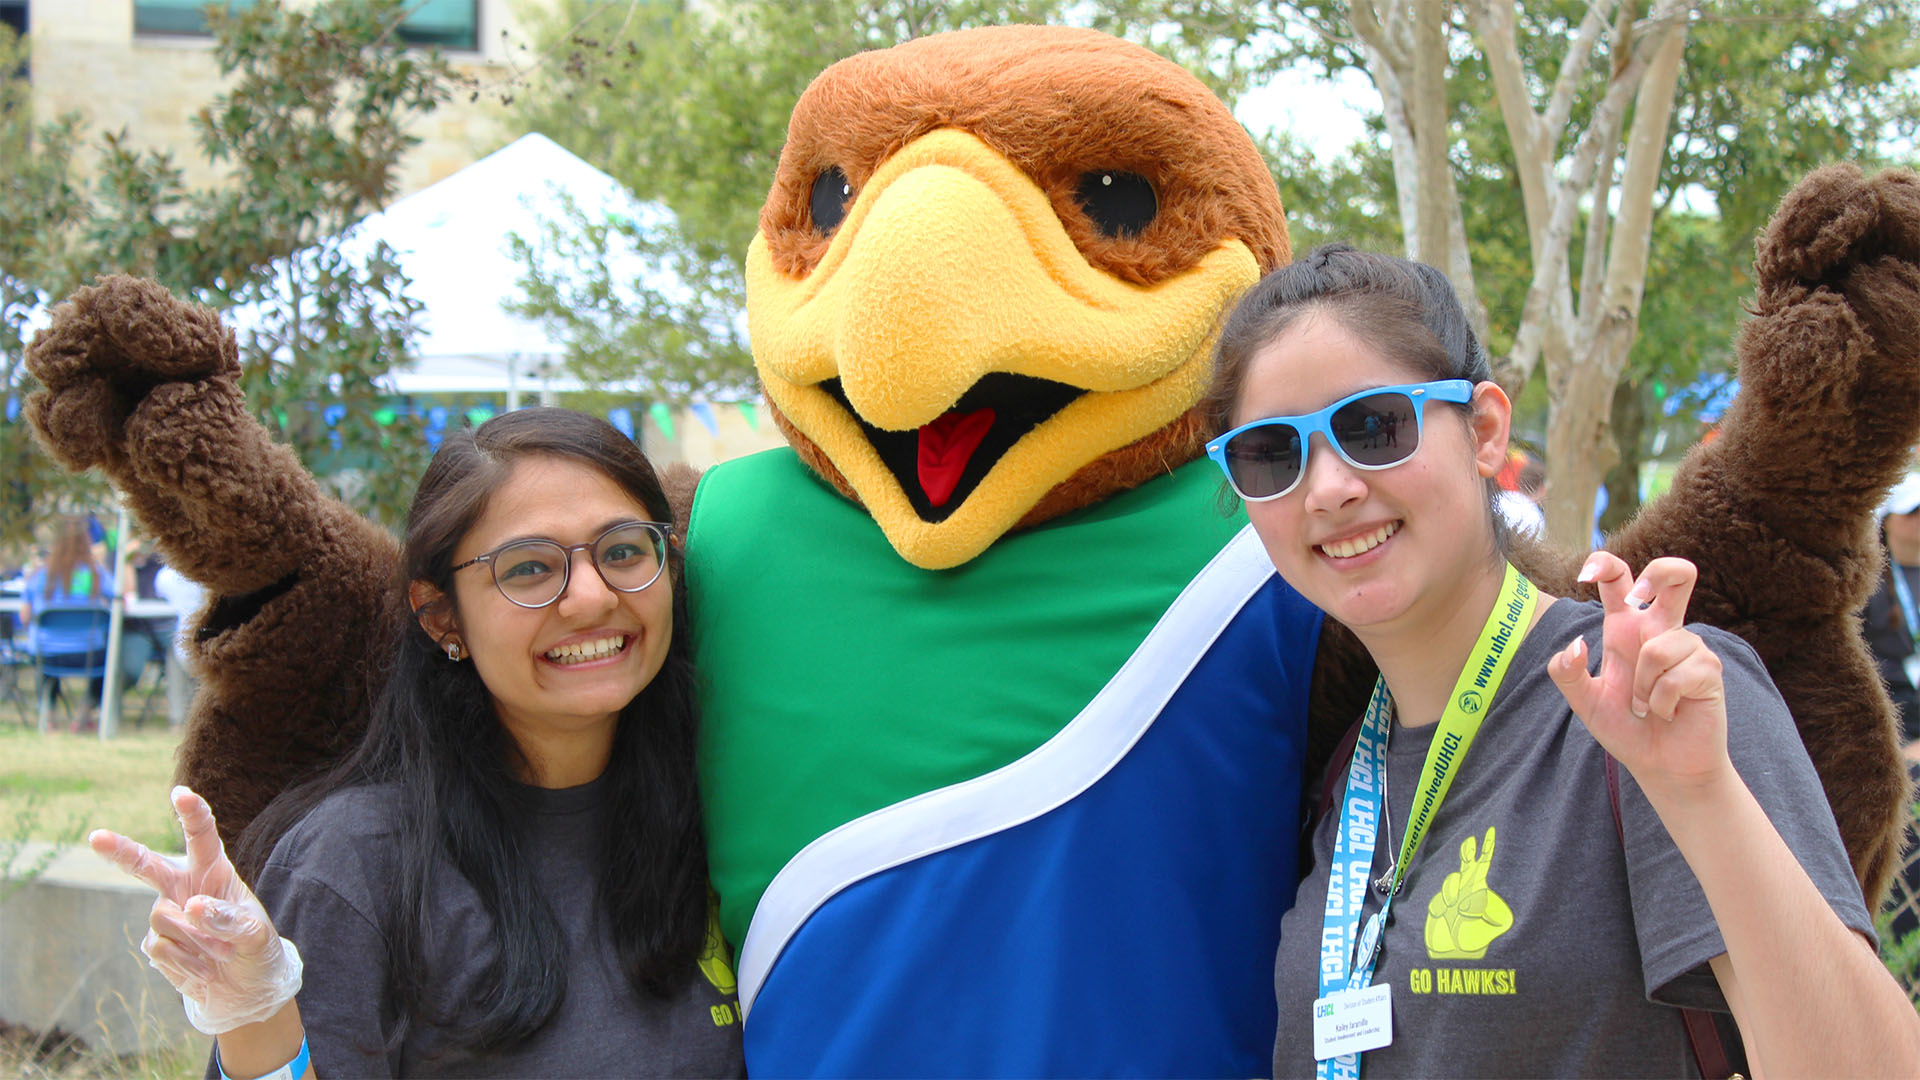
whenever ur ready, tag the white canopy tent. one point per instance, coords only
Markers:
(451, 240)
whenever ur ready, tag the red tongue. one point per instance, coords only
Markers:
(946, 445)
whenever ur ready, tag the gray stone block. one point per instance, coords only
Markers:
(70, 956)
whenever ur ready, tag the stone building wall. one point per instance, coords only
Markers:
(88, 58)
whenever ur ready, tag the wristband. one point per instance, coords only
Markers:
(292, 1070)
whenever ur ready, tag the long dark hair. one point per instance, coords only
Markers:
(434, 737)
(1406, 310)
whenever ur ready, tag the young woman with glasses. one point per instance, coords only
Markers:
(508, 877)
(1553, 886)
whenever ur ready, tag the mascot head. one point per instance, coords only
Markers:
(989, 273)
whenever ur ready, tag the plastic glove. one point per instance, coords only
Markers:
(208, 934)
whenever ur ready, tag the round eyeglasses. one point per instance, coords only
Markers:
(534, 573)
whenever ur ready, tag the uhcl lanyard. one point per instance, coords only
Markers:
(1347, 963)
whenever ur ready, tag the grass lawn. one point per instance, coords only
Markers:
(56, 787)
(34, 1057)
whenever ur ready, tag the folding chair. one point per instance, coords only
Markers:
(14, 661)
(63, 637)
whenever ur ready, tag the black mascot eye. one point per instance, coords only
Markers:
(1120, 203)
(831, 194)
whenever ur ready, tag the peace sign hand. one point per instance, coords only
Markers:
(1658, 704)
(208, 934)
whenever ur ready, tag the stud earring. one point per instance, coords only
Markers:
(453, 651)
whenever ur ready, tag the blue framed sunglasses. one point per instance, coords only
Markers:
(1373, 429)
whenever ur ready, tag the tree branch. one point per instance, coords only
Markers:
(1646, 147)
(1579, 54)
(1599, 214)
(1550, 261)
(1400, 141)
(1428, 111)
(1366, 24)
(1550, 273)
(1532, 161)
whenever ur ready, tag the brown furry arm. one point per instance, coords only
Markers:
(1778, 512)
(289, 674)
(146, 388)
(679, 480)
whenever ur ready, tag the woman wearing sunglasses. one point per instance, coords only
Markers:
(508, 877)
(1480, 903)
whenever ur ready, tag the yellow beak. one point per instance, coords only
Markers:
(950, 266)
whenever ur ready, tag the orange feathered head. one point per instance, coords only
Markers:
(988, 275)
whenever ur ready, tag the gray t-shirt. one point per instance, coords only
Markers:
(327, 887)
(1525, 942)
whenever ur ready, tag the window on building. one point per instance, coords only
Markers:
(176, 16)
(13, 13)
(449, 24)
(13, 16)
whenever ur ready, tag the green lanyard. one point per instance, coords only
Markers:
(1350, 867)
(1473, 691)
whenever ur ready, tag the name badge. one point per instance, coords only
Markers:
(1352, 1021)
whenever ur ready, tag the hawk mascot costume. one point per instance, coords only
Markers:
(1007, 721)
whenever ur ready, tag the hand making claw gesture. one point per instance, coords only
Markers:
(1658, 704)
(208, 934)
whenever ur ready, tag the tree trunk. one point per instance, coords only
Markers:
(1406, 167)
(1623, 480)
(1579, 452)
(1427, 108)
(1579, 448)
(1459, 266)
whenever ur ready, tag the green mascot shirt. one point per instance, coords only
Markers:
(837, 679)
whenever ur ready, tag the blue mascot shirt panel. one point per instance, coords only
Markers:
(1044, 949)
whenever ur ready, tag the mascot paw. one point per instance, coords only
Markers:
(1830, 359)
(1835, 219)
(109, 347)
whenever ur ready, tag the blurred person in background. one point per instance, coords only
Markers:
(1888, 623)
(185, 597)
(1520, 504)
(71, 575)
(1891, 621)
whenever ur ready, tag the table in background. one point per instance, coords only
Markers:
(145, 612)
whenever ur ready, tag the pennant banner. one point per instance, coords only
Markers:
(703, 412)
(662, 416)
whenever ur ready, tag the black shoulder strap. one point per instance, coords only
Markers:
(1709, 1053)
(1337, 768)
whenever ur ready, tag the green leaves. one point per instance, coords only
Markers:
(310, 130)
(639, 301)
(327, 329)
(702, 138)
